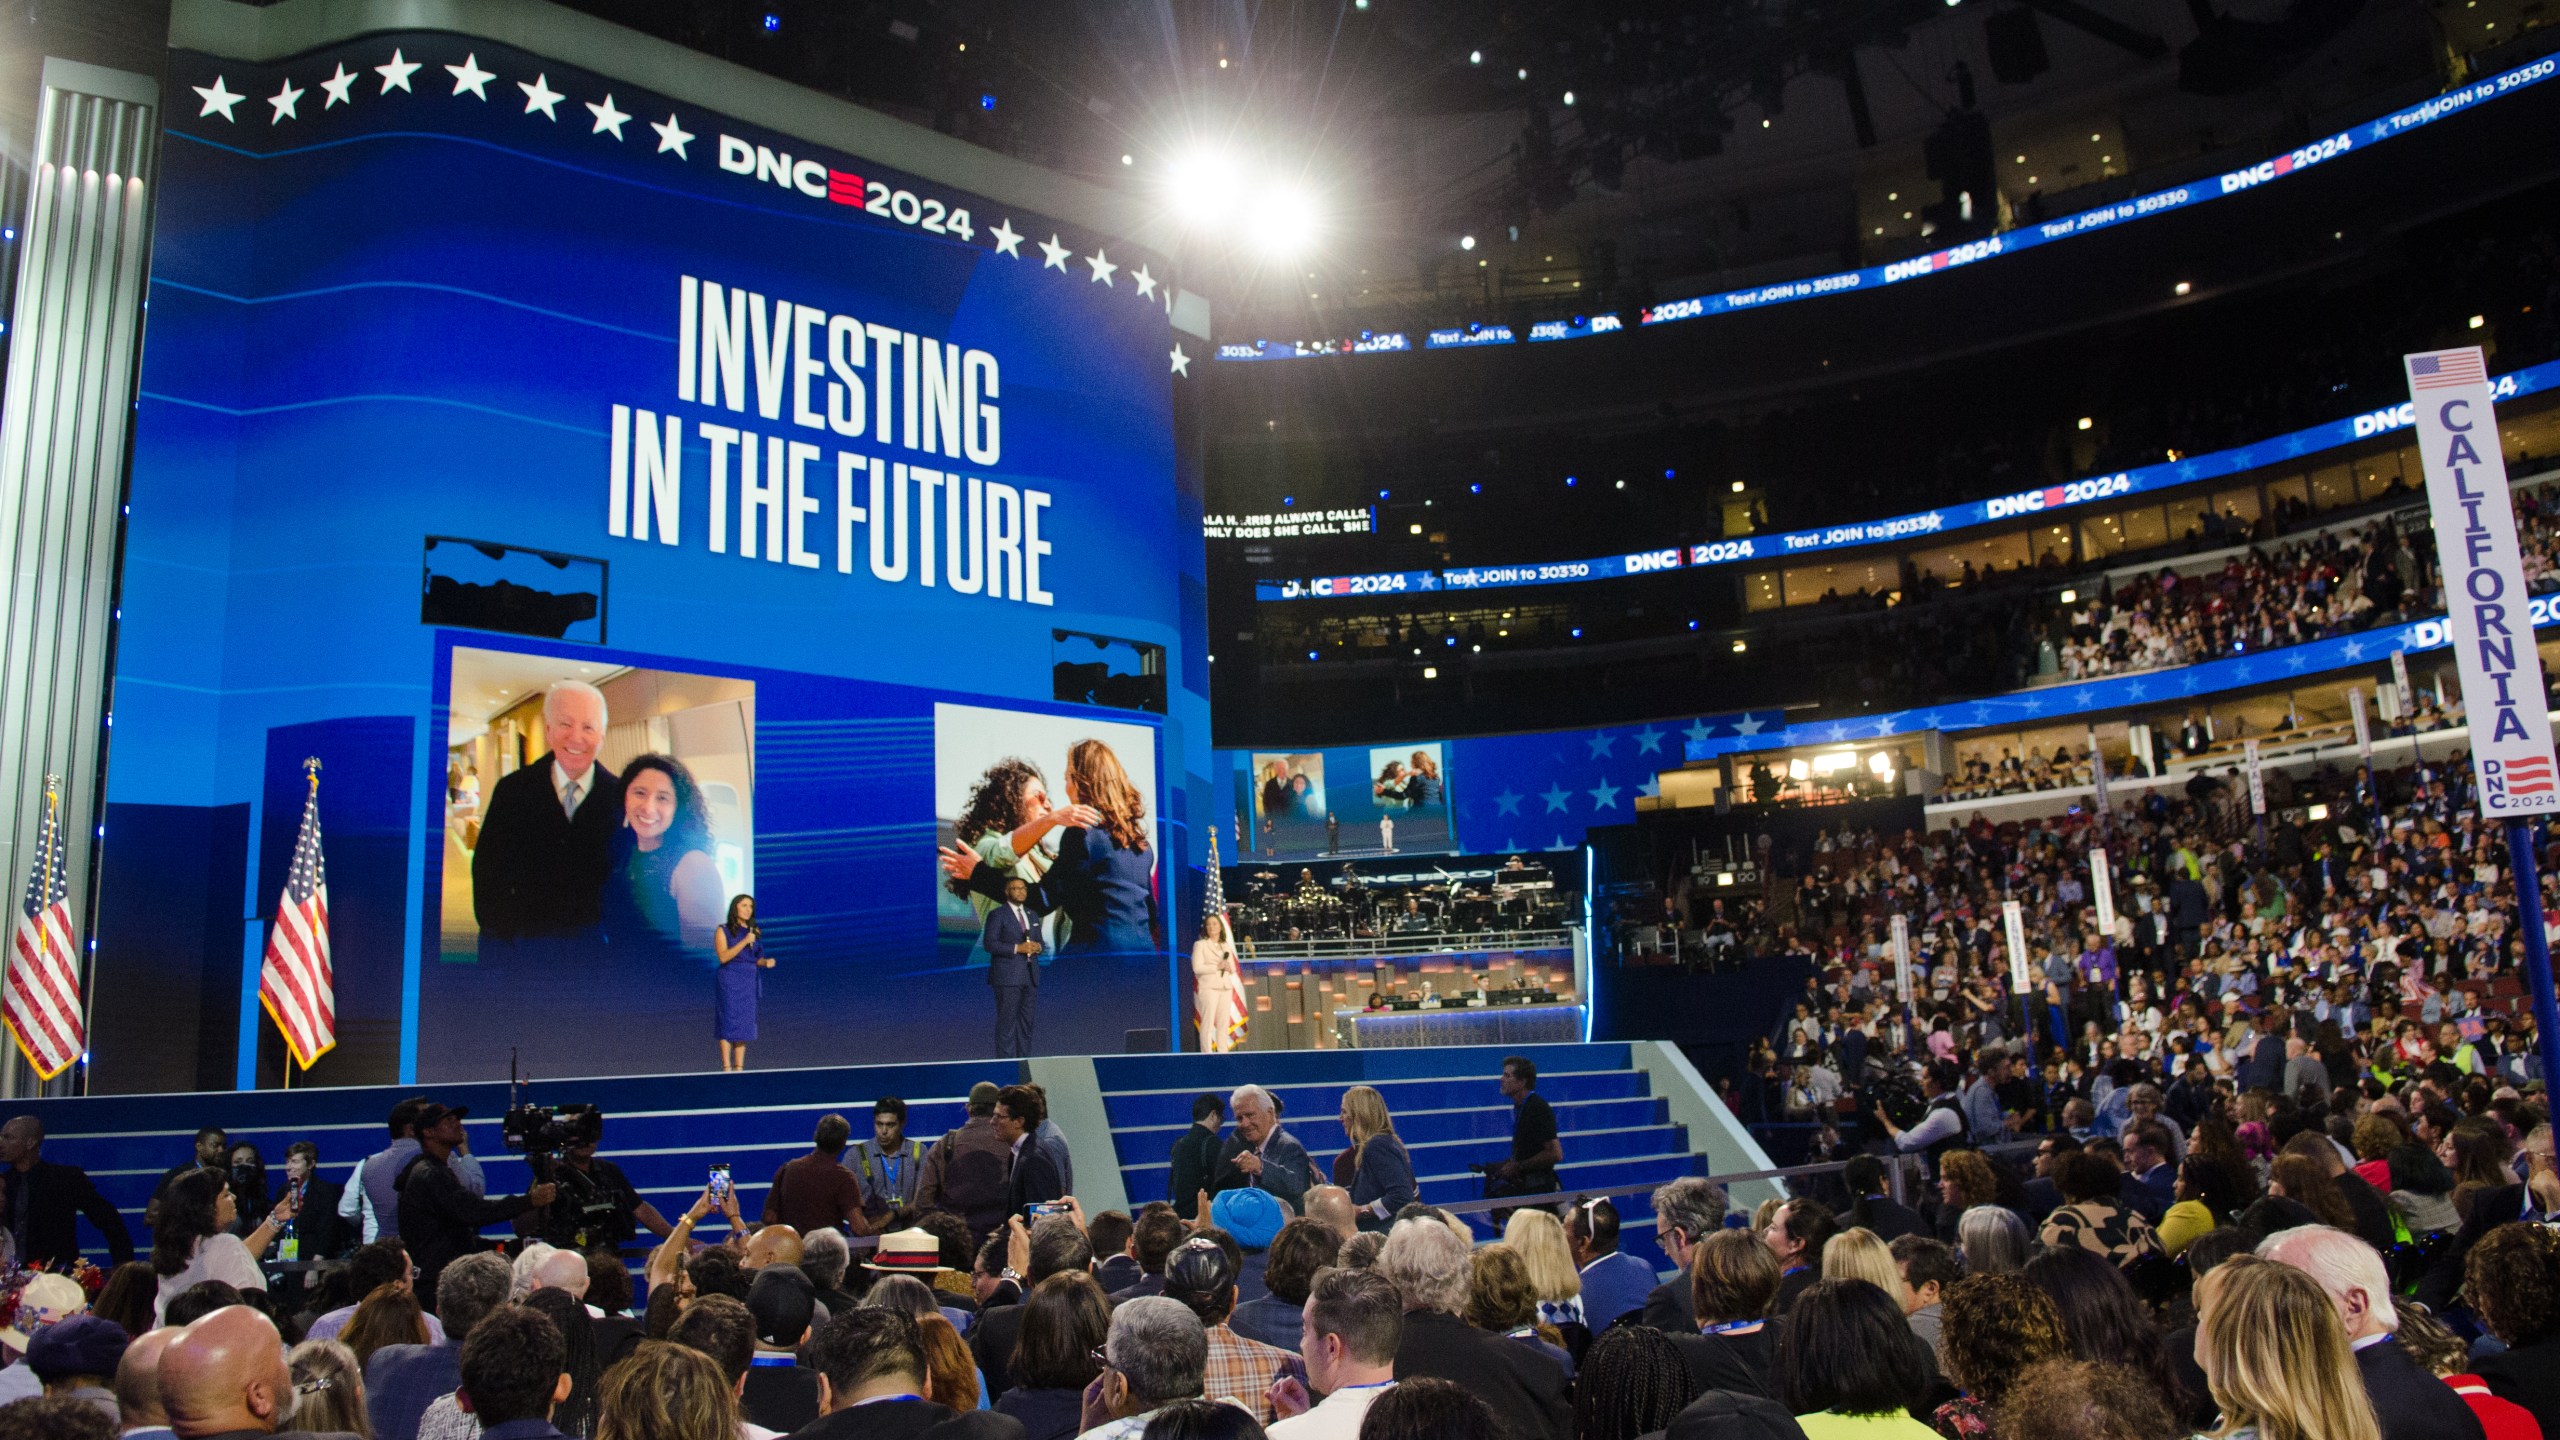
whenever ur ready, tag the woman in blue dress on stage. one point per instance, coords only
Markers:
(740, 946)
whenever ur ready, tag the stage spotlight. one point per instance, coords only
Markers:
(1127, 159)
(1466, 242)
(2088, 422)
(1282, 219)
(2479, 320)
(1568, 97)
(1475, 57)
(1203, 185)
(1737, 487)
(1430, 672)
(2184, 287)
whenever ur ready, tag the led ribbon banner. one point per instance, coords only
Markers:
(1874, 277)
(2141, 480)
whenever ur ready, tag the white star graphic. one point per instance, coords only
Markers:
(1651, 789)
(217, 98)
(1145, 282)
(672, 136)
(1508, 802)
(284, 101)
(540, 96)
(1008, 240)
(469, 76)
(1698, 730)
(1556, 798)
(1053, 256)
(340, 88)
(1102, 267)
(607, 118)
(1559, 844)
(1604, 796)
(2354, 650)
(1600, 744)
(395, 75)
(1649, 741)
(1749, 725)
(1181, 362)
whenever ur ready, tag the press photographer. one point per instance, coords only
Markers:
(596, 1205)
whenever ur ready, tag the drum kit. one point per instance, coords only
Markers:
(1353, 907)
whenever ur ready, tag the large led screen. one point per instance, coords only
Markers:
(473, 381)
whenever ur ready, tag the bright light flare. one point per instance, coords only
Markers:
(1283, 219)
(1203, 185)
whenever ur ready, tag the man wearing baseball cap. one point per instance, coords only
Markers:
(439, 1219)
(47, 1300)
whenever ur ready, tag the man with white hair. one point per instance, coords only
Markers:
(1431, 1269)
(1261, 1155)
(546, 842)
(2410, 1403)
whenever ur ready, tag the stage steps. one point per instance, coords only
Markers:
(1616, 1128)
(1630, 1114)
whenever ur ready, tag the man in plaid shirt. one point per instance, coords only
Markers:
(1202, 1276)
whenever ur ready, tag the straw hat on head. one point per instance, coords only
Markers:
(907, 1252)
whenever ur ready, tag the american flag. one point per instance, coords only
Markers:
(294, 984)
(42, 1005)
(2447, 369)
(1215, 903)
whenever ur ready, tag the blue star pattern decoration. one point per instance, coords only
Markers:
(1604, 796)
(1556, 799)
(1649, 741)
(1600, 743)
(1508, 802)
(1651, 789)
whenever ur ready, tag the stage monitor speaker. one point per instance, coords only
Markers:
(1145, 1042)
(2016, 44)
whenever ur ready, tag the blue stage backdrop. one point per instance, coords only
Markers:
(469, 372)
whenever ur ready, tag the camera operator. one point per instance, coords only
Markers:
(597, 1205)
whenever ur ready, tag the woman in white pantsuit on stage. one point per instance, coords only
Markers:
(1218, 1000)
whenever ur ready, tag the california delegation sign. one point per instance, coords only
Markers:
(2485, 601)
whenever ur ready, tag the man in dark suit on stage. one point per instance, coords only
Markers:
(546, 843)
(1012, 940)
(41, 1202)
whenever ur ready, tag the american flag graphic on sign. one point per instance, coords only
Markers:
(42, 1005)
(2447, 369)
(294, 985)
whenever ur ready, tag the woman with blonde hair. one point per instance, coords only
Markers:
(1104, 876)
(1501, 1300)
(1539, 1237)
(1858, 1254)
(1382, 1180)
(666, 1392)
(2276, 1356)
(330, 1380)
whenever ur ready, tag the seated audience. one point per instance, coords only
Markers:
(1997, 1327)
(1614, 1284)
(1849, 1367)
(872, 1378)
(2408, 1403)
(2514, 1286)
(1156, 1356)
(2078, 1400)
(1353, 1322)
(1634, 1382)
(1733, 1280)
(2277, 1357)
(668, 1392)
(1066, 1319)
(1429, 1266)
